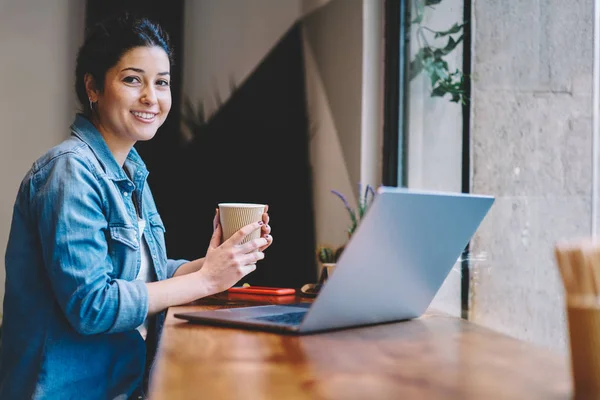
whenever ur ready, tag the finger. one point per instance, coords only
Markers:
(246, 269)
(269, 242)
(215, 240)
(237, 237)
(265, 218)
(265, 230)
(216, 219)
(252, 258)
(253, 245)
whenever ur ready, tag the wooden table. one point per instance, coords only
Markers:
(432, 357)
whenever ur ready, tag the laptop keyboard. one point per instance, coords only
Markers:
(293, 318)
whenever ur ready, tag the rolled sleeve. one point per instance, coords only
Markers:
(173, 265)
(133, 305)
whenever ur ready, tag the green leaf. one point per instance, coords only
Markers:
(451, 45)
(361, 211)
(419, 11)
(430, 60)
(326, 254)
(454, 29)
(416, 65)
(437, 69)
(434, 77)
(438, 91)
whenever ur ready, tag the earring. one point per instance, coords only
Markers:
(91, 104)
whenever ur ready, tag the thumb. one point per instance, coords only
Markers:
(215, 240)
(216, 219)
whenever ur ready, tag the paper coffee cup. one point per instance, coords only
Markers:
(235, 216)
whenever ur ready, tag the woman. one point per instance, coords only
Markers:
(87, 275)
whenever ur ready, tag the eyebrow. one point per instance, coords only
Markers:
(141, 71)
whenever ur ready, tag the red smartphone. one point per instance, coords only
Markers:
(265, 290)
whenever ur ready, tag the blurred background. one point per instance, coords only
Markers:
(282, 101)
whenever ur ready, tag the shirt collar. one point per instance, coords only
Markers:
(87, 132)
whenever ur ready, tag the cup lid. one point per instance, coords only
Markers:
(241, 205)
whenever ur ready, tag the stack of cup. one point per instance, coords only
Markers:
(579, 266)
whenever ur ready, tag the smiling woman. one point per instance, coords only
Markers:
(130, 97)
(135, 101)
(86, 259)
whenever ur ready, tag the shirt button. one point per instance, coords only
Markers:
(125, 194)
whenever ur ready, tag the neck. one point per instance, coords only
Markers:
(118, 146)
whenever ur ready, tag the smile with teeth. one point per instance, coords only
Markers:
(144, 115)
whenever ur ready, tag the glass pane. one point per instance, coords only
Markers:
(434, 127)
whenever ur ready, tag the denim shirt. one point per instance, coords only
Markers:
(71, 303)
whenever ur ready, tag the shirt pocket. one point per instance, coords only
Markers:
(158, 233)
(123, 248)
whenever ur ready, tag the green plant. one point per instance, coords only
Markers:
(431, 59)
(327, 255)
(363, 204)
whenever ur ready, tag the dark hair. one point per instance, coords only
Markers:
(106, 42)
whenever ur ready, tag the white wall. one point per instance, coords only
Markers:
(343, 45)
(38, 44)
(327, 160)
(371, 143)
(227, 39)
(335, 35)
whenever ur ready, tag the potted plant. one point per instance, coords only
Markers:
(327, 255)
(364, 201)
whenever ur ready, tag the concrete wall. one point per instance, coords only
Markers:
(531, 148)
(38, 43)
(435, 134)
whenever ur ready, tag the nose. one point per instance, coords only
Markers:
(148, 95)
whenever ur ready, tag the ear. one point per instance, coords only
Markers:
(90, 87)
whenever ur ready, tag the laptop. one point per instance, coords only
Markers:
(390, 270)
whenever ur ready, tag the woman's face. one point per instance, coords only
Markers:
(137, 96)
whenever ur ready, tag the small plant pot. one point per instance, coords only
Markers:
(326, 271)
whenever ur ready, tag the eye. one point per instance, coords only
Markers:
(131, 79)
(163, 82)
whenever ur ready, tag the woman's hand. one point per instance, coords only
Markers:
(228, 262)
(265, 230)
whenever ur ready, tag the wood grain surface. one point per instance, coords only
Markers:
(432, 357)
